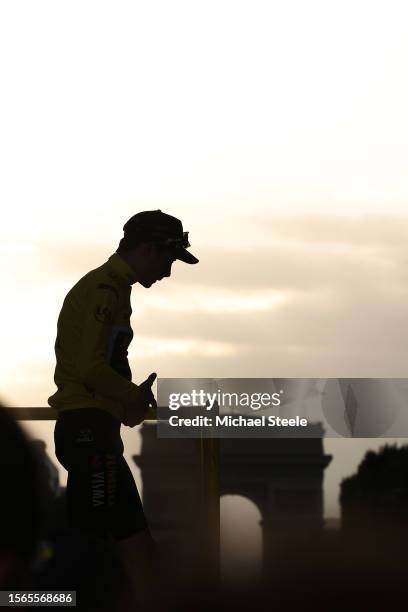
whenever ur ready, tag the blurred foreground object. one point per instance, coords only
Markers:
(21, 518)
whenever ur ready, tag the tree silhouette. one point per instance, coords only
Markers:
(377, 495)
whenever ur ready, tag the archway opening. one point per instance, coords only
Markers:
(240, 540)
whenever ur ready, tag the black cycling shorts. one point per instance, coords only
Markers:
(101, 495)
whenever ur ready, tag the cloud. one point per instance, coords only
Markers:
(281, 267)
(294, 253)
(287, 308)
(361, 231)
(364, 317)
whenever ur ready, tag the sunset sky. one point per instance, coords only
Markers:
(277, 132)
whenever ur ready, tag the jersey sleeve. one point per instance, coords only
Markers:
(99, 310)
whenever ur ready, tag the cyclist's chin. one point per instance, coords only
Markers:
(147, 283)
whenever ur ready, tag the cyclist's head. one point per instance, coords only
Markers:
(152, 241)
(149, 261)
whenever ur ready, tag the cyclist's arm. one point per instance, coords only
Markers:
(92, 368)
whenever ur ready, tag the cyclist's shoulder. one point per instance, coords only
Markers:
(97, 281)
(102, 277)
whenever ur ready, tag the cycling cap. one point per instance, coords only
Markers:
(158, 226)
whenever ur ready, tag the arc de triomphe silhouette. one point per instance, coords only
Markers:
(283, 477)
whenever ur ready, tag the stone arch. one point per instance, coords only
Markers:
(283, 477)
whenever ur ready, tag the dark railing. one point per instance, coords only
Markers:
(48, 414)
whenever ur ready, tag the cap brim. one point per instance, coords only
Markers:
(186, 256)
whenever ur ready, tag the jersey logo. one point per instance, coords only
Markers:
(110, 288)
(90, 390)
(85, 435)
(102, 314)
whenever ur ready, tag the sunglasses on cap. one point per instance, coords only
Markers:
(183, 241)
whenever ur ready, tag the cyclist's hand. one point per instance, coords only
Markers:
(146, 389)
(136, 412)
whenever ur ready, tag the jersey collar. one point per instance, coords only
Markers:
(121, 268)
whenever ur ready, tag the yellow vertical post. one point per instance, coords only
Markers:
(210, 501)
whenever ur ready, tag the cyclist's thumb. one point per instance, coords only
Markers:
(150, 379)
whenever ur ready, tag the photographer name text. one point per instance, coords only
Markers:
(237, 421)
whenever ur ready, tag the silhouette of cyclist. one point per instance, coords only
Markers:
(95, 393)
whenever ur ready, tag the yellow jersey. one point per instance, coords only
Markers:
(93, 336)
